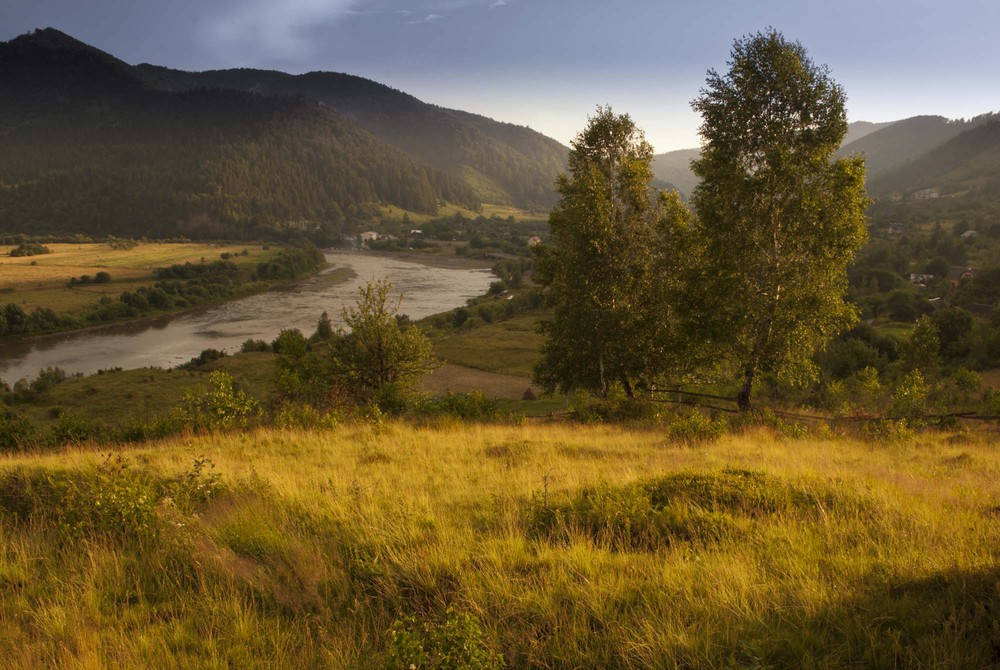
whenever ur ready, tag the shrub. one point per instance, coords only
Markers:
(222, 407)
(72, 429)
(29, 249)
(16, 432)
(696, 428)
(909, 397)
(453, 643)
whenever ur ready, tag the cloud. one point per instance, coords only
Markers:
(430, 18)
(498, 3)
(281, 29)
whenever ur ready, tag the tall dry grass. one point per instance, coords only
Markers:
(563, 545)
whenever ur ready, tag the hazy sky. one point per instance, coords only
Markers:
(548, 63)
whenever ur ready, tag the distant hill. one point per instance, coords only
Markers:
(966, 165)
(87, 146)
(859, 129)
(92, 144)
(675, 166)
(502, 163)
(892, 146)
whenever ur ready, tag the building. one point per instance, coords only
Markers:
(534, 241)
(969, 235)
(368, 236)
(959, 274)
(927, 194)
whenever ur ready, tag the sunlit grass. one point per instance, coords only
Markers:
(41, 281)
(837, 553)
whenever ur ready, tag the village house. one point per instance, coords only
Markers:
(959, 274)
(534, 241)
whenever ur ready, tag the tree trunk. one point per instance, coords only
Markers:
(743, 399)
(628, 387)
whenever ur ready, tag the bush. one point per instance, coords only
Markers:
(454, 643)
(696, 428)
(29, 249)
(909, 397)
(222, 407)
(72, 429)
(615, 408)
(16, 432)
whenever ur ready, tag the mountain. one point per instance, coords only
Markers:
(89, 143)
(675, 166)
(966, 165)
(859, 129)
(87, 146)
(502, 163)
(906, 140)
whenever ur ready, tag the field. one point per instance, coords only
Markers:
(509, 347)
(41, 281)
(555, 546)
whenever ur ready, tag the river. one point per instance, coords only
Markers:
(169, 341)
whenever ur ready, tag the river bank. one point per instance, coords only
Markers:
(174, 339)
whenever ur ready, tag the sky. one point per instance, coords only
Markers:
(548, 64)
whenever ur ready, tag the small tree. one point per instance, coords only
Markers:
(779, 218)
(379, 356)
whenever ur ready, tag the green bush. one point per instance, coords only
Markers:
(16, 432)
(454, 643)
(222, 407)
(696, 428)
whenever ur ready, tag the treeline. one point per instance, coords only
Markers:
(177, 287)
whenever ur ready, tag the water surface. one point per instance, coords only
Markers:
(169, 341)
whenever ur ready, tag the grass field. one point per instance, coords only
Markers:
(510, 347)
(557, 546)
(41, 281)
(119, 398)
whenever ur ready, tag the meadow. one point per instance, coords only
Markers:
(43, 280)
(546, 545)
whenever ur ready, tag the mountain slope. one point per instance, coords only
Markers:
(675, 166)
(968, 164)
(88, 147)
(859, 129)
(905, 140)
(503, 163)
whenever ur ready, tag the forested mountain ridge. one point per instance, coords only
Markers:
(903, 141)
(503, 163)
(966, 165)
(888, 148)
(675, 166)
(87, 144)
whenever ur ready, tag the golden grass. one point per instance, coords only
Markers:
(41, 281)
(321, 539)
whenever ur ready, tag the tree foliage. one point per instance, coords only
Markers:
(607, 267)
(780, 219)
(379, 355)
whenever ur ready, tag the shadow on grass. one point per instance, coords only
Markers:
(946, 620)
